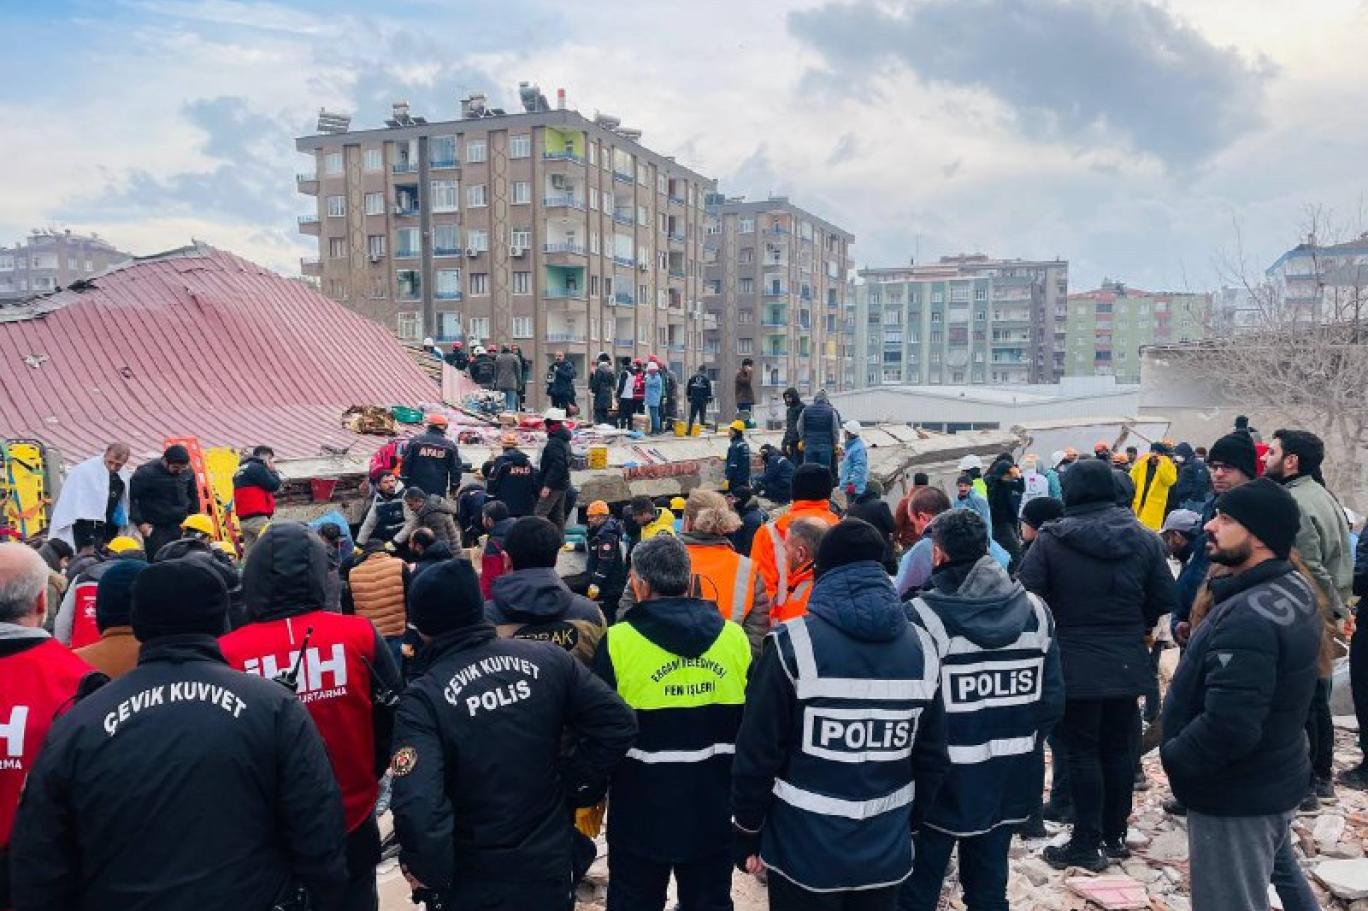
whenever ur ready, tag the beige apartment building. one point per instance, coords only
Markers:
(538, 227)
(52, 259)
(776, 283)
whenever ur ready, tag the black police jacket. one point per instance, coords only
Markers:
(482, 788)
(182, 784)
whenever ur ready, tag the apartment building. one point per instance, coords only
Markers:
(1319, 281)
(776, 284)
(964, 320)
(539, 227)
(49, 260)
(1108, 327)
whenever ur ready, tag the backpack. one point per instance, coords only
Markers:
(385, 460)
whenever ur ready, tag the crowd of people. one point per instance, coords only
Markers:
(835, 697)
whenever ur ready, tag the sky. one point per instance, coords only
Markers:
(1167, 145)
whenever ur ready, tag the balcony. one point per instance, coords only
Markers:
(623, 176)
(310, 265)
(563, 248)
(563, 294)
(406, 210)
(624, 343)
(447, 295)
(677, 273)
(627, 262)
(776, 231)
(772, 291)
(772, 265)
(307, 183)
(676, 237)
(404, 167)
(406, 253)
(678, 200)
(308, 224)
(623, 299)
(563, 201)
(710, 320)
(562, 156)
(712, 348)
(771, 321)
(564, 337)
(443, 163)
(775, 352)
(446, 251)
(624, 217)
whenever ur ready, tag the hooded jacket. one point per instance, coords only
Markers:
(439, 552)
(854, 470)
(1004, 493)
(852, 661)
(776, 481)
(752, 517)
(1152, 483)
(555, 459)
(601, 383)
(219, 562)
(344, 666)
(1194, 479)
(655, 388)
(1003, 692)
(607, 564)
(871, 508)
(793, 410)
(536, 604)
(437, 514)
(1106, 579)
(254, 489)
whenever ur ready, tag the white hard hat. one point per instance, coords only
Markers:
(1056, 457)
(554, 414)
(427, 342)
(971, 462)
(479, 349)
(852, 427)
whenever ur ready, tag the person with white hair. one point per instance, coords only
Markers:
(93, 503)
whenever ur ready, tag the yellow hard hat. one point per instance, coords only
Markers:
(678, 503)
(123, 544)
(598, 508)
(199, 522)
(737, 425)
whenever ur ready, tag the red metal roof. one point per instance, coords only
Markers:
(197, 342)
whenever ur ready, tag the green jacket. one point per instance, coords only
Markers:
(1323, 540)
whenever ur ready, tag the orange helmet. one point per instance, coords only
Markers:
(1101, 446)
(598, 508)
(436, 420)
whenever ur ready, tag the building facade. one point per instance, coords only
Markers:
(50, 260)
(1108, 327)
(1316, 281)
(965, 320)
(539, 227)
(776, 284)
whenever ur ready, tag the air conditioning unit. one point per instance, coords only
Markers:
(471, 252)
(515, 250)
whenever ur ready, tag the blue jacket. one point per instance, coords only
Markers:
(915, 568)
(843, 738)
(1003, 691)
(855, 466)
(738, 467)
(655, 388)
(777, 480)
(978, 503)
(1194, 571)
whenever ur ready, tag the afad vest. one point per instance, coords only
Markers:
(334, 684)
(849, 783)
(36, 685)
(990, 697)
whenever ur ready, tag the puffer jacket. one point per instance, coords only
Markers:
(535, 604)
(379, 584)
(1106, 579)
(555, 459)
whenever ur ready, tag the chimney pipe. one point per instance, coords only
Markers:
(560, 99)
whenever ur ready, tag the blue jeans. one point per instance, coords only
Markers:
(655, 417)
(511, 399)
(818, 454)
(982, 869)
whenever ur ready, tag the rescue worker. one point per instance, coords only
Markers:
(863, 768)
(75, 624)
(386, 514)
(184, 783)
(379, 582)
(607, 564)
(39, 679)
(343, 666)
(497, 524)
(721, 575)
(482, 368)
(459, 358)
(854, 471)
(161, 494)
(431, 460)
(698, 390)
(752, 517)
(512, 479)
(649, 520)
(819, 431)
(554, 470)
(255, 484)
(197, 543)
(682, 667)
(800, 550)
(677, 505)
(983, 623)
(737, 472)
(1152, 479)
(115, 653)
(776, 480)
(972, 466)
(531, 601)
(482, 788)
(811, 499)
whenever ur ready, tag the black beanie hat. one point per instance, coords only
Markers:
(1039, 510)
(1236, 450)
(176, 454)
(445, 598)
(1266, 510)
(179, 597)
(848, 541)
(812, 482)
(114, 594)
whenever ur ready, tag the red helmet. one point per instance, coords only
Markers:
(458, 344)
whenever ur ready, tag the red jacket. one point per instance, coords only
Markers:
(254, 489)
(37, 683)
(335, 685)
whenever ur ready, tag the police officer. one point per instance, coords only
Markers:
(39, 679)
(1003, 691)
(669, 809)
(386, 514)
(482, 796)
(843, 739)
(431, 460)
(343, 666)
(607, 567)
(183, 784)
(513, 479)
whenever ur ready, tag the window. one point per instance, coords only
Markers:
(745, 317)
(522, 284)
(593, 201)
(522, 192)
(448, 283)
(745, 256)
(935, 317)
(643, 294)
(520, 145)
(746, 226)
(643, 334)
(375, 246)
(337, 247)
(337, 206)
(477, 239)
(407, 243)
(593, 286)
(643, 175)
(479, 328)
(643, 218)
(476, 196)
(937, 296)
(522, 325)
(445, 196)
(446, 240)
(408, 325)
(980, 294)
(410, 283)
(375, 203)
(745, 346)
(594, 242)
(479, 283)
(442, 151)
(607, 199)
(476, 152)
(373, 160)
(747, 286)
(520, 237)
(332, 164)
(593, 153)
